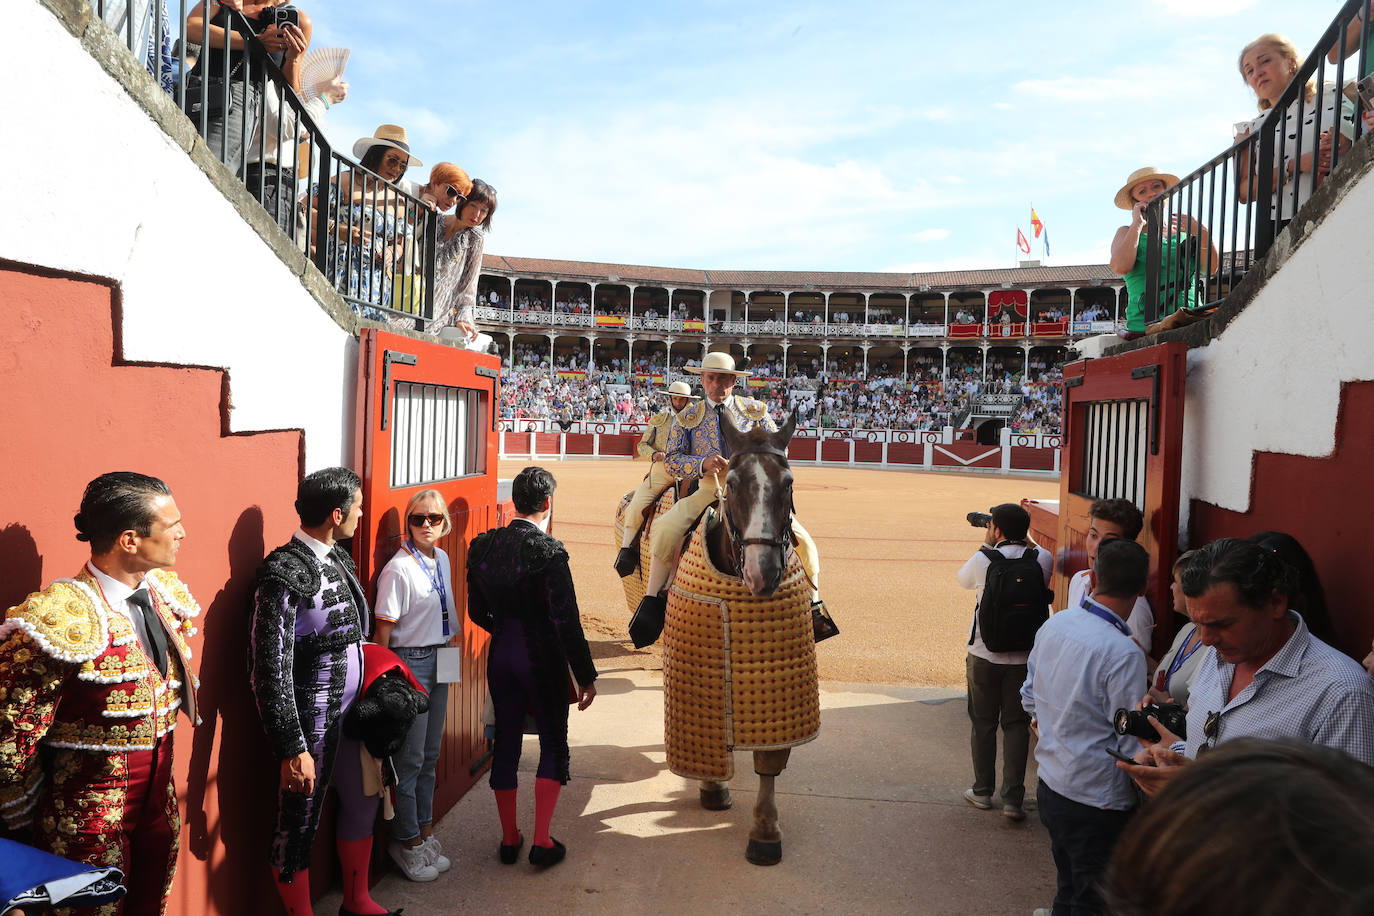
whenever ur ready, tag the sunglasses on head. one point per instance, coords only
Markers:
(420, 519)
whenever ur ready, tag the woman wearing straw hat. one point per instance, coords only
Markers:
(1186, 238)
(696, 452)
(367, 220)
(654, 446)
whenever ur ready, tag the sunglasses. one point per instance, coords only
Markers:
(453, 192)
(420, 519)
(1210, 729)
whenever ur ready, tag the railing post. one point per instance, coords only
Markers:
(322, 206)
(1154, 246)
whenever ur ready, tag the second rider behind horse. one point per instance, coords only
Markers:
(697, 451)
(652, 445)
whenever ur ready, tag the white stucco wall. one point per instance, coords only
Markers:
(1271, 381)
(94, 186)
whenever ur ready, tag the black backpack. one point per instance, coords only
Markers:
(1015, 601)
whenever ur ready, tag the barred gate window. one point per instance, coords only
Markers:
(436, 434)
(1116, 438)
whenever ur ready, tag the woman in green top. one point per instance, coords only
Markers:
(1185, 243)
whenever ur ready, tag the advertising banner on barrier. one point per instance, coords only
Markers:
(965, 330)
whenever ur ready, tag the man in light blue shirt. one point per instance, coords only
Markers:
(1083, 668)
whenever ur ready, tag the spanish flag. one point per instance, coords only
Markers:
(1035, 222)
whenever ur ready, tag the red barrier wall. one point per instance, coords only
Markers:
(73, 410)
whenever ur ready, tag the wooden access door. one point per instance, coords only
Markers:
(1123, 437)
(426, 412)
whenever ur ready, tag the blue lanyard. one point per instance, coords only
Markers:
(1182, 657)
(436, 579)
(1092, 607)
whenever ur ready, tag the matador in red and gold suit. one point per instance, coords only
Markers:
(85, 729)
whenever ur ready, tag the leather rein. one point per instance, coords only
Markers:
(780, 543)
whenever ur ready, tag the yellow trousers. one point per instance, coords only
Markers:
(671, 527)
(655, 482)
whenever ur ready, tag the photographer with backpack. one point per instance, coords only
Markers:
(1011, 575)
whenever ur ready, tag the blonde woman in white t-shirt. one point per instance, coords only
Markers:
(416, 618)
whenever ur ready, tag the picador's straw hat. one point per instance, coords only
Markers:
(1123, 197)
(392, 135)
(679, 389)
(718, 361)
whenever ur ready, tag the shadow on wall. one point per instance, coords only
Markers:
(244, 768)
(21, 566)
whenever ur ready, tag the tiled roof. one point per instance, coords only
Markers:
(586, 271)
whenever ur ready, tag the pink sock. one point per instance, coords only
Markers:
(295, 896)
(545, 800)
(505, 809)
(356, 858)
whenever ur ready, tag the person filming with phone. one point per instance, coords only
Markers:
(1083, 667)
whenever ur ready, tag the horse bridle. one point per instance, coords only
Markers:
(781, 543)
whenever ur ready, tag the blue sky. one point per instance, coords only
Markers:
(859, 136)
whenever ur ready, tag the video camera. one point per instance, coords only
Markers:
(979, 519)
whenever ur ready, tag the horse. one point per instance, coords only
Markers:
(739, 657)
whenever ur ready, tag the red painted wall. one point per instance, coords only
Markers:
(1325, 504)
(73, 410)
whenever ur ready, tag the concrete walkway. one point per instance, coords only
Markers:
(872, 815)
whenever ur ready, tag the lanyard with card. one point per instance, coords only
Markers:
(449, 660)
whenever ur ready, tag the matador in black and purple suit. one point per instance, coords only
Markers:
(306, 671)
(521, 591)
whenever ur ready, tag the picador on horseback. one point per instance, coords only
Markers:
(654, 446)
(697, 451)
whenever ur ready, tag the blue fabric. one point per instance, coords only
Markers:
(1082, 838)
(25, 873)
(416, 759)
(1308, 690)
(1080, 671)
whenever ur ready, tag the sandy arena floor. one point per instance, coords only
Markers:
(890, 543)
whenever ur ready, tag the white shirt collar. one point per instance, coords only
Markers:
(715, 404)
(115, 591)
(318, 548)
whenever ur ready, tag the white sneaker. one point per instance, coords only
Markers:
(436, 854)
(413, 861)
(983, 802)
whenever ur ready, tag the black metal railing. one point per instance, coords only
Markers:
(1210, 228)
(373, 240)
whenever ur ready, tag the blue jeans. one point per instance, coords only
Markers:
(416, 759)
(1082, 839)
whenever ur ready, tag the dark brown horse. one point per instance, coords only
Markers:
(754, 543)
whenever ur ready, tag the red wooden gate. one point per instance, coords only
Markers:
(1123, 437)
(426, 415)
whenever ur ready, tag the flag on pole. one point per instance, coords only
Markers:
(1021, 241)
(1038, 226)
(1046, 242)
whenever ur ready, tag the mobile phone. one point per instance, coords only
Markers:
(281, 16)
(1119, 756)
(1365, 88)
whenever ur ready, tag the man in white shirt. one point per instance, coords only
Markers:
(1108, 519)
(995, 678)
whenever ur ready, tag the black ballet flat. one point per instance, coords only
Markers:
(544, 856)
(345, 911)
(510, 854)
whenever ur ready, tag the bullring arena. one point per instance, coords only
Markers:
(922, 395)
(890, 542)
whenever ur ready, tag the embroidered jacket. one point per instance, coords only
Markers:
(74, 677)
(655, 438)
(696, 434)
